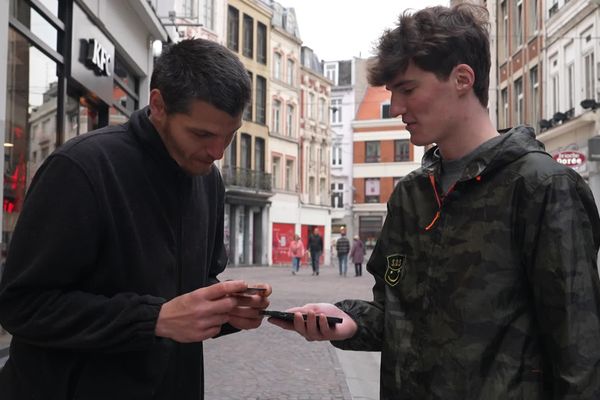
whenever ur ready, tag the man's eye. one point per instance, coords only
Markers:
(407, 91)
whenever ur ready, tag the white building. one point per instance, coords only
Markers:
(570, 118)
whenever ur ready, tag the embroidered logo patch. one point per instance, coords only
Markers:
(396, 269)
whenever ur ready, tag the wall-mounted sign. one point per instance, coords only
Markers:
(573, 159)
(92, 57)
(98, 58)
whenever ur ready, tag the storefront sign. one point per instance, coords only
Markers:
(92, 59)
(573, 159)
(98, 58)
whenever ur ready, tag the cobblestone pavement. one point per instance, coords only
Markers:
(269, 363)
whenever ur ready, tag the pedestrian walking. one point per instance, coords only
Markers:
(315, 247)
(296, 252)
(357, 254)
(486, 278)
(342, 247)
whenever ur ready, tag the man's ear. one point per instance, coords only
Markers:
(158, 109)
(464, 78)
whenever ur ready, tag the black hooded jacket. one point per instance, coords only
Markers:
(111, 228)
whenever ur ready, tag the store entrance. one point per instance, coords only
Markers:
(83, 115)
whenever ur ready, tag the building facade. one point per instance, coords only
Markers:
(343, 108)
(570, 120)
(315, 150)
(284, 132)
(383, 154)
(244, 167)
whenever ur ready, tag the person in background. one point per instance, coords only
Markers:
(110, 285)
(357, 254)
(296, 251)
(315, 247)
(342, 247)
(486, 282)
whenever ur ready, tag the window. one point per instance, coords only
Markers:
(248, 40)
(248, 110)
(401, 150)
(187, 9)
(331, 72)
(504, 108)
(208, 10)
(503, 32)
(519, 109)
(336, 111)
(555, 94)
(276, 116)
(245, 148)
(588, 65)
(261, 99)
(570, 85)
(369, 228)
(261, 43)
(125, 93)
(276, 65)
(276, 172)
(337, 195)
(290, 72)
(519, 23)
(310, 105)
(336, 154)
(231, 153)
(289, 126)
(259, 155)
(372, 190)
(533, 16)
(397, 180)
(311, 189)
(533, 96)
(289, 175)
(233, 28)
(323, 190)
(372, 151)
(385, 111)
(322, 110)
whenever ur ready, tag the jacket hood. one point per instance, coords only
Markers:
(507, 148)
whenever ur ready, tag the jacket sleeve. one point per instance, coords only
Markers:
(561, 247)
(369, 315)
(54, 248)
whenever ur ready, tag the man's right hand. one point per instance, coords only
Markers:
(198, 315)
(321, 331)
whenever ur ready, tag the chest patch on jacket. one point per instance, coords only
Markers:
(396, 269)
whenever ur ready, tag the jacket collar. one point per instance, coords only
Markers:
(507, 147)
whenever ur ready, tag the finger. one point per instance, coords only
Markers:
(267, 292)
(254, 301)
(299, 324)
(220, 289)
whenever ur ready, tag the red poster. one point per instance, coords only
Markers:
(283, 234)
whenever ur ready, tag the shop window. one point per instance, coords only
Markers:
(125, 93)
(38, 24)
(369, 228)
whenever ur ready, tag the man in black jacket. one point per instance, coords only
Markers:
(111, 282)
(315, 247)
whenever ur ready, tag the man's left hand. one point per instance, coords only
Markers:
(247, 314)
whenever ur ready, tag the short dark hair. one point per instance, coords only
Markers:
(198, 69)
(436, 39)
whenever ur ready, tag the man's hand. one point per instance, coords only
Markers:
(198, 315)
(246, 315)
(309, 329)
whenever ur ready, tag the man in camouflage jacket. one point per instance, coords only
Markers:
(486, 284)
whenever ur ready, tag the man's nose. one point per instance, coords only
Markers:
(217, 149)
(397, 108)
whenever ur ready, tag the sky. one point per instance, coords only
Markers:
(342, 29)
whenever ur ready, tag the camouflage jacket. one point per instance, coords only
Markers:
(492, 291)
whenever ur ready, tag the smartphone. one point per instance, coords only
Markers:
(288, 316)
(251, 290)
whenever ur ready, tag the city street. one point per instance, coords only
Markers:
(270, 363)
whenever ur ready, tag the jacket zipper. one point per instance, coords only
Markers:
(439, 200)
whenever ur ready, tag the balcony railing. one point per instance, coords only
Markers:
(246, 178)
